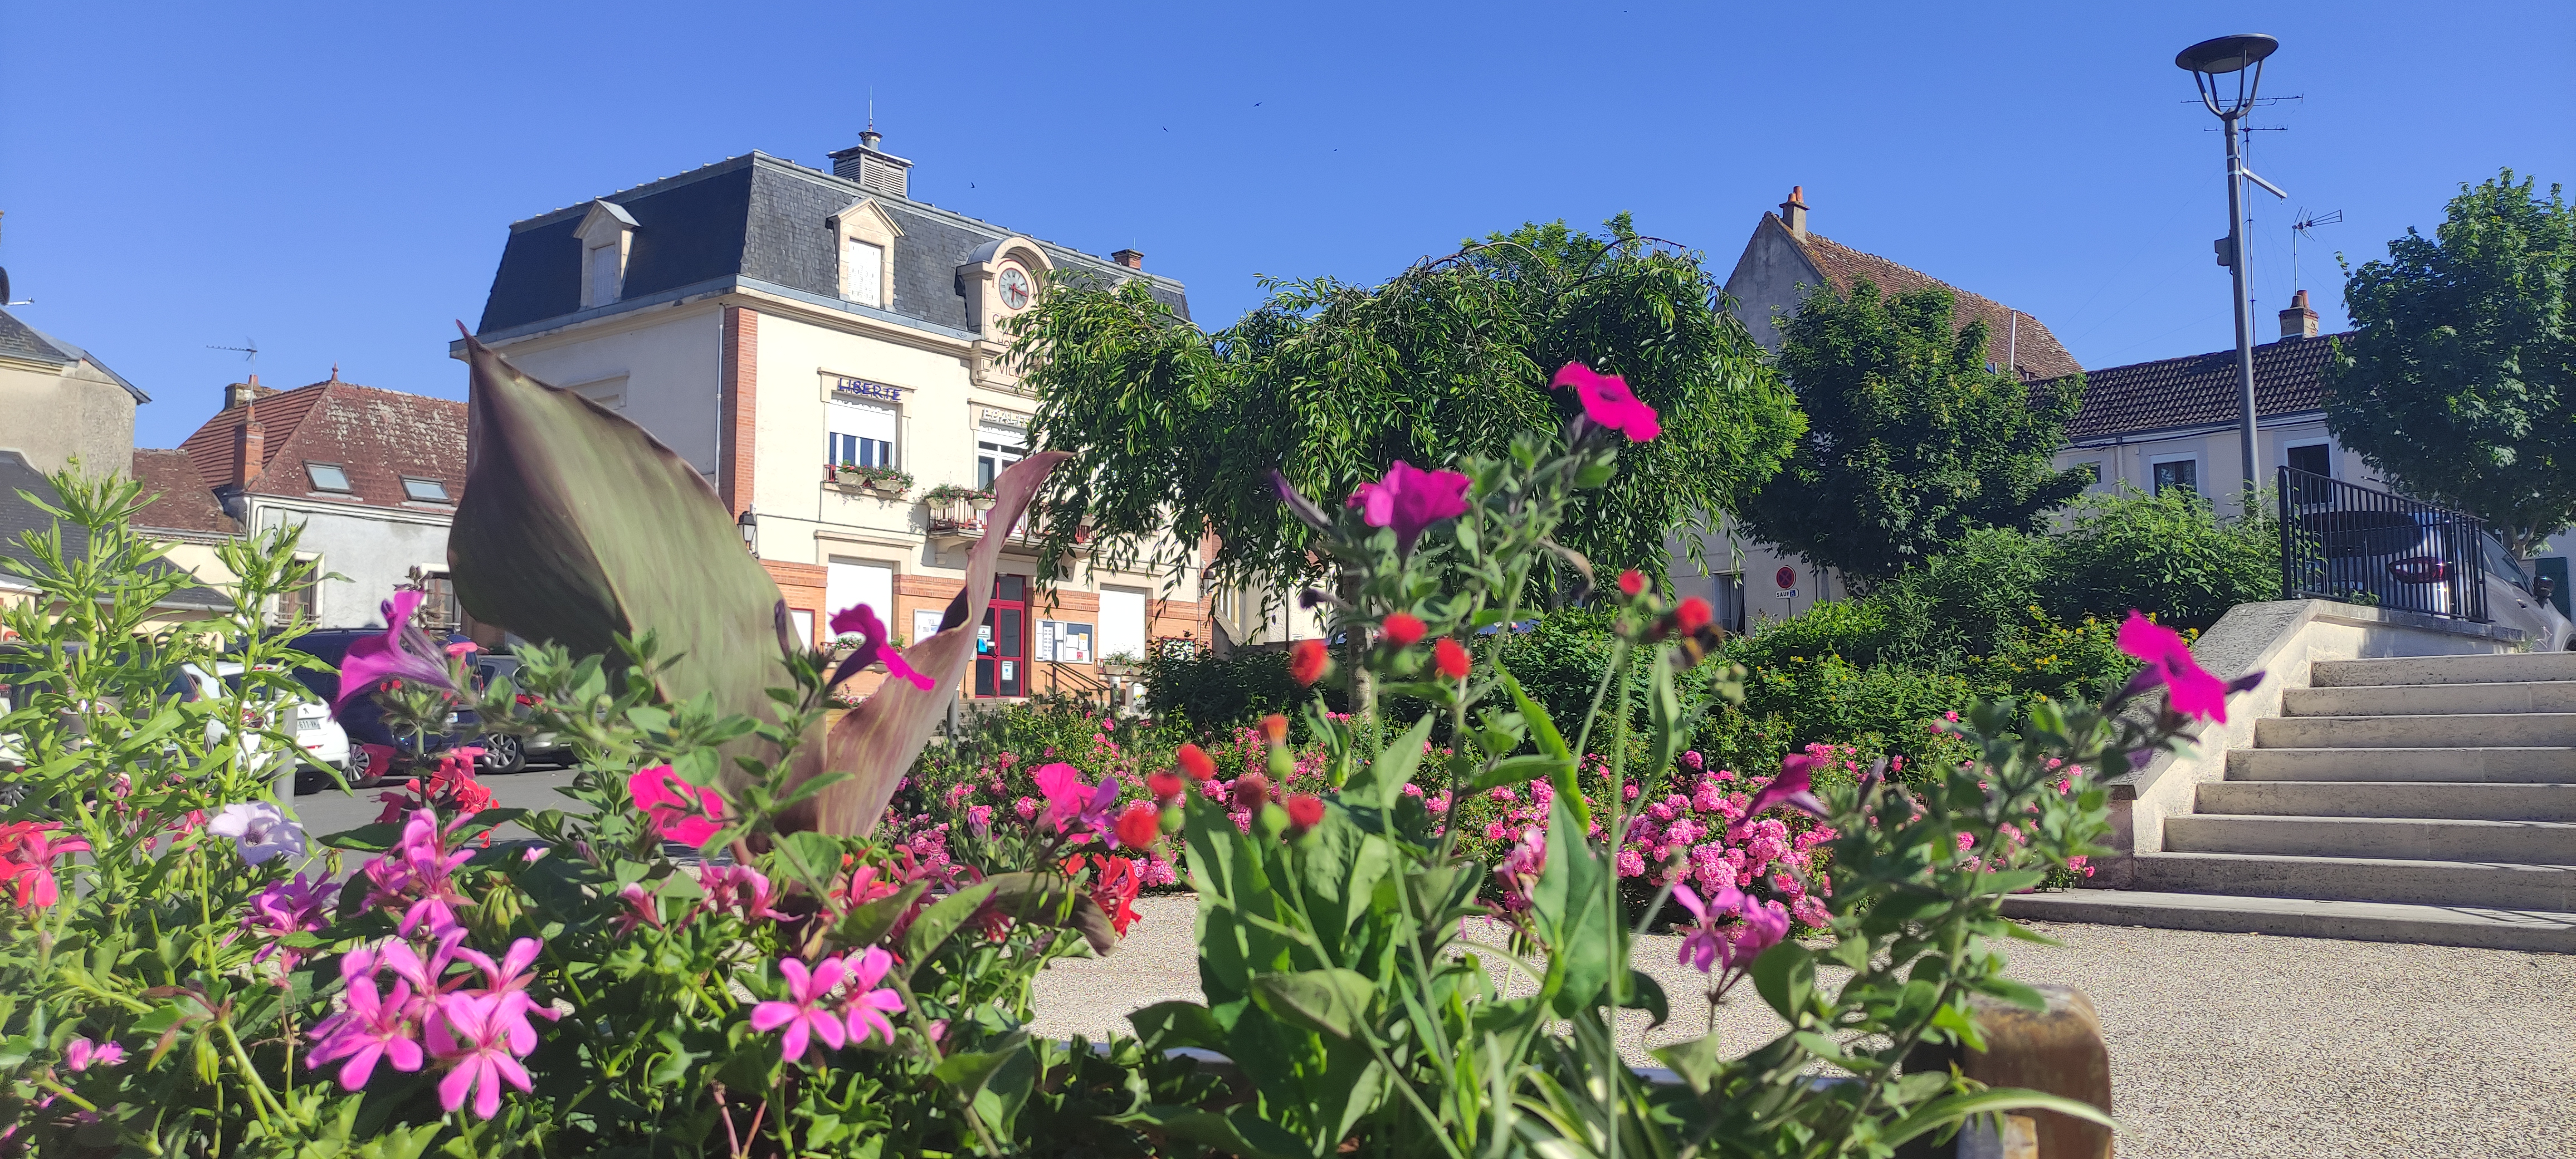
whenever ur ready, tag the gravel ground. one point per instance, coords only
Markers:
(2222, 1045)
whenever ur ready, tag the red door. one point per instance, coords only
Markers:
(1002, 642)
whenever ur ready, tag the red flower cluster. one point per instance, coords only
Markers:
(1451, 658)
(1308, 661)
(1404, 629)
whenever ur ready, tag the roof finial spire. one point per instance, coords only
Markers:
(335, 372)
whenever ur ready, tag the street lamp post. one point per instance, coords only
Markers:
(2240, 56)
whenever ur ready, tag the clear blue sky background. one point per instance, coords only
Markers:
(336, 180)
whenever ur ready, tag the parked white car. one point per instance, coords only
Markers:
(319, 738)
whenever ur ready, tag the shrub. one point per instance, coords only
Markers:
(1213, 691)
(2169, 555)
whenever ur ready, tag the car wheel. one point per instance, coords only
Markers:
(309, 781)
(503, 753)
(367, 770)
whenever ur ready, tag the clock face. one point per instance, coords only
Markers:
(1014, 287)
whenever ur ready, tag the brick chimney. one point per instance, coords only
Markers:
(240, 393)
(1129, 258)
(876, 170)
(2298, 321)
(1793, 212)
(249, 449)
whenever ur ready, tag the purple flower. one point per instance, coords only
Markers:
(367, 1029)
(1706, 940)
(1793, 787)
(869, 1002)
(803, 1011)
(1070, 802)
(404, 652)
(287, 907)
(1409, 500)
(738, 887)
(259, 829)
(478, 1044)
(1729, 946)
(80, 1054)
(1608, 401)
(418, 873)
(861, 620)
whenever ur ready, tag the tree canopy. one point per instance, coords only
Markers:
(2459, 385)
(1912, 440)
(1177, 429)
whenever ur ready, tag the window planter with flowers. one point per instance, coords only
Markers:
(957, 511)
(883, 481)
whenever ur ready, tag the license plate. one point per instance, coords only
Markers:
(308, 724)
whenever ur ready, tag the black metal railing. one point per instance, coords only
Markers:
(2363, 546)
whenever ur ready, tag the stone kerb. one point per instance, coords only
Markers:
(2280, 638)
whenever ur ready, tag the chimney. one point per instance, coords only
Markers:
(2298, 321)
(1129, 258)
(876, 170)
(249, 451)
(240, 393)
(1793, 212)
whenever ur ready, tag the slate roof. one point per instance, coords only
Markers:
(378, 437)
(24, 342)
(2034, 349)
(18, 517)
(180, 498)
(2200, 389)
(760, 217)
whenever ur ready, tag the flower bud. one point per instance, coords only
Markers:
(1195, 761)
(1404, 629)
(1308, 662)
(1251, 791)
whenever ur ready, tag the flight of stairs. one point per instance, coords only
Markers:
(2410, 800)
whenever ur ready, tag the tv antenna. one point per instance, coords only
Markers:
(2300, 229)
(249, 350)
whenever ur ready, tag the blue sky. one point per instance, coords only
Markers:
(335, 180)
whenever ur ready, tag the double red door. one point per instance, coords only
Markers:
(1002, 641)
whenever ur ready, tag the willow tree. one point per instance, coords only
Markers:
(1175, 430)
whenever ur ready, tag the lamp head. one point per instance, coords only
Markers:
(2222, 55)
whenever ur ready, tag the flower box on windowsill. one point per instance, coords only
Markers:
(880, 481)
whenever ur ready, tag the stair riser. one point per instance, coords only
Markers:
(2498, 886)
(2402, 840)
(2490, 669)
(2083, 906)
(2494, 766)
(2468, 802)
(2346, 732)
(2430, 699)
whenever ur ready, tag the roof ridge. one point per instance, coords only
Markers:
(936, 210)
(1944, 283)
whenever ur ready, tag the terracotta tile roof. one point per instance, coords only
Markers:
(182, 499)
(2200, 389)
(378, 437)
(2034, 349)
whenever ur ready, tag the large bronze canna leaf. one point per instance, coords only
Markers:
(577, 526)
(876, 742)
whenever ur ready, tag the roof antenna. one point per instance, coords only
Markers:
(249, 350)
(2300, 228)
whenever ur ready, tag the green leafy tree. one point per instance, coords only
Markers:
(1177, 429)
(2459, 385)
(1912, 441)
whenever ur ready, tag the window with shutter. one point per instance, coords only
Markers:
(848, 583)
(859, 434)
(604, 273)
(1122, 622)
(863, 271)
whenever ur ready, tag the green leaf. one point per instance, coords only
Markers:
(814, 859)
(2010, 881)
(932, 928)
(578, 527)
(1335, 1002)
(1166, 1025)
(968, 1070)
(1785, 976)
(1568, 901)
(867, 925)
(1550, 743)
(1644, 993)
(1942, 1112)
(370, 838)
(1380, 782)
(1242, 1132)
(1515, 771)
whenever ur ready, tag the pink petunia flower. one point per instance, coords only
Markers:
(295, 906)
(869, 1003)
(861, 620)
(478, 1043)
(1410, 500)
(27, 853)
(2190, 690)
(1793, 787)
(1608, 401)
(678, 810)
(403, 652)
(802, 1012)
(1070, 802)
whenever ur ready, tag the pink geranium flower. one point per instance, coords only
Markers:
(1410, 499)
(678, 810)
(861, 620)
(507, 980)
(869, 1002)
(2190, 690)
(27, 853)
(403, 652)
(477, 1042)
(1608, 401)
(80, 1054)
(371, 1027)
(802, 1012)
(287, 907)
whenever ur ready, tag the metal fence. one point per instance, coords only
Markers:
(2363, 546)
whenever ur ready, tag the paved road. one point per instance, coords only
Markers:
(2222, 1045)
(332, 811)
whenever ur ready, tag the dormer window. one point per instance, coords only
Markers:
(424, 490)
(327, 477)
(607, 236)
(864, 238)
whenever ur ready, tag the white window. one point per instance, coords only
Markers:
(1122, 622)
(850, 582)
(327, 477)
(996, 448)
(803, 619)
(424, 490)
(606, 267)
(863, 264)
(859, 434)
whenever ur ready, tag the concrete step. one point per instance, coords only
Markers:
(2380, 838)
(2431, 699)
(2427, 799)
(2485, 669)
(2513, 730)
(2499, 885)
(2494, 929)
(2488, 765)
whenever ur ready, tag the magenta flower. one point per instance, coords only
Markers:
(2190, 690)
(678, 810)
(287, 907)
(1409, 500)
(862, 620)
(803, 1011)
(476, 1041)
(419, 874)
(1793, 787)
(1608, 401)
(370, 1027)
(27, 853)
(507, 980)
(1706, 940)
(404, 652)
(738, 887)
(869, 1002)
(1070, 802)
(641, 910)
(80, 1054)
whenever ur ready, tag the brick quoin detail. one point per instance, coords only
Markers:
(737, 405)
